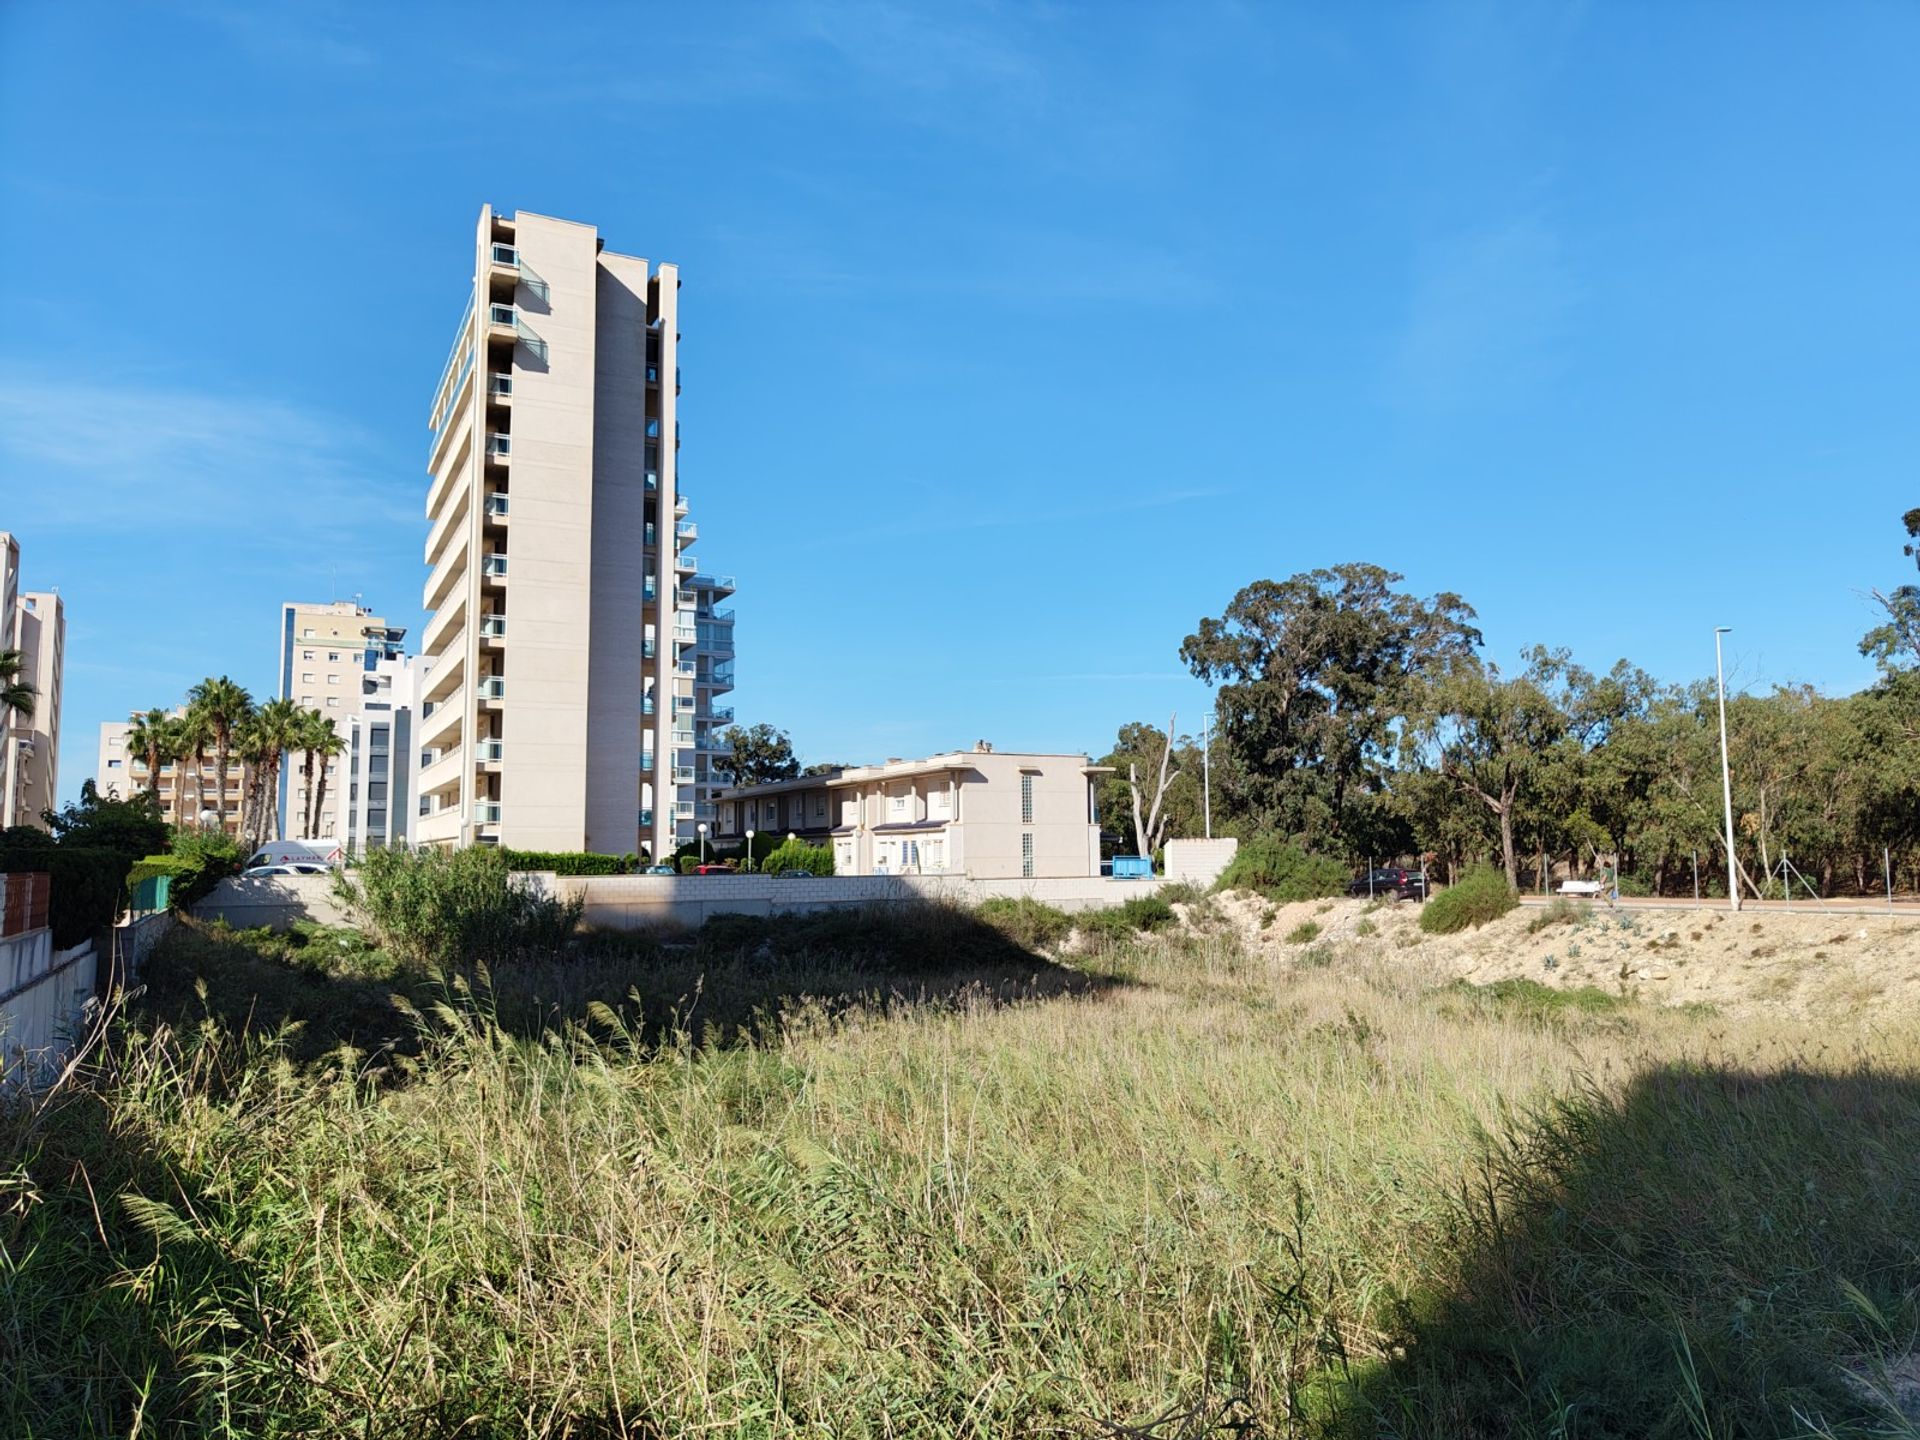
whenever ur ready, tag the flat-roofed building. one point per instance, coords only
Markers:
(576, 647)
(183, 794)
(34, 623)
(330, 658)
(982, 813)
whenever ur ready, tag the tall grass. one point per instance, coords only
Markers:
(1325, 1202)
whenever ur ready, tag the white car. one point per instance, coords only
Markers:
(297, 867)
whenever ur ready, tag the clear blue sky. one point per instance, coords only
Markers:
(1018, 337)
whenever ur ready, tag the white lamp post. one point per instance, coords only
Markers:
(702, 828)
(1726, 773)
(749, 850)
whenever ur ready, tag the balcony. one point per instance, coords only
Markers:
(503, 262)
(501, 322)
(494, 567)
(486, 812)
(686, 635)
(646, 705)
(683, 809)
(685, 562)
(444, 678)
(451, 567)
(682, 738)
(711, 744)
(493, 627)
(445, 623)
(721, 714)
(646, 819)
(500, 386)
(683, 774)
(499, 446)
(652, 588)
(444, 773)
(686, 530)
(442, 728)
(687, 669)
(493, 687)
(490, 752)
(498, 504)
(720, 584)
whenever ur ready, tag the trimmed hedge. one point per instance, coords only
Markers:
(798, 855)
(569, 862)
(88, 886)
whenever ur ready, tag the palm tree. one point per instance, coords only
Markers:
(225, 705)
(190, 735)
(327, 742)
(15, 694)
(277, 728)
(150, 739)
(310, 736)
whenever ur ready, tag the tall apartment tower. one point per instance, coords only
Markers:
(33, 622)
(330, 658)
(575, 650)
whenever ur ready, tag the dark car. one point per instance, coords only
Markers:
(1393, 881)
(794, 874)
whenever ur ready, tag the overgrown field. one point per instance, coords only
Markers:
(868, 1176)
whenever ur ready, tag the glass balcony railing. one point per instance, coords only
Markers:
(498, 384)
(646, 705)
(500, 315)
(686, 529)
(652, 533)
(652, 587)
(685, 634)
(494, 565)
(688, 668)
(686, 562)
(683, 774)
(683, 809)
(649, 647)
(684, 702)
(494, 687)
(493, 627)
(487, 812)
(498, 504)
(506, 255)
(646, 819)
(498, 444)
(682, 738)
(713, 582)
(491, 750)
(721, 715)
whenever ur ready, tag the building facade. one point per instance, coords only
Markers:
(576, 649)
(979, 813)
(377, 806)
(34, 623)
(331, 654)
(803, 808)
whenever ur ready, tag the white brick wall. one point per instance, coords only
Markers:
(1199, 862)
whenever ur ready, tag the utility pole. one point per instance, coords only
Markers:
(1726, 772)
(1206, 772)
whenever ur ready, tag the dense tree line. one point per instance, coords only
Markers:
(1366, 722)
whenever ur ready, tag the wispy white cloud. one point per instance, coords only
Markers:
(258, 472)
(1485, 318)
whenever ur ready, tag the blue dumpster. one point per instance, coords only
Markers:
(1133, 867)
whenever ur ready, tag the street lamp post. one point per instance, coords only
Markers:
(1726, 772)
(749, 851)
(702, 828)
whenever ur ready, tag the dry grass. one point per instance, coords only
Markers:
(1233, 1185)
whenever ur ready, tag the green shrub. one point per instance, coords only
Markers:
(566, 862)
(1366, 928)
(797, 855)
(689, 863)
(1482, 894)
(1560, 911)
(1180, 892)
(88, 886)
(1304, 933)
(1026, 921)
(1120, 922)
(1280, 870)
(454, 908)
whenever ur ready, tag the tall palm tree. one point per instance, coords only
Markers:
(310, 735)
(327, 743)
(149, 739)
(15, 694)
(225, 705)
(277, 728)
(190, 736)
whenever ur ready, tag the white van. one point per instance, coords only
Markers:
(297, 852)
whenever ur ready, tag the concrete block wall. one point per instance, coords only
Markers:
(275, 901)
(1199, 862)
(44, 995)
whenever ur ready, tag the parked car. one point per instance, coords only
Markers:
(795, 874)
(716, 868)
(1393, 882)
(298, 867)
(659, 870)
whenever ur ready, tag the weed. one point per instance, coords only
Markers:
(1304, 933)
(1366, 928)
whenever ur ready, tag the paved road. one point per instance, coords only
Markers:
(1905, 906)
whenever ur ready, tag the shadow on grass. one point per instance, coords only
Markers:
(1712, 1253)
(737, 977)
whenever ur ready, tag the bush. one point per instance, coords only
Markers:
(1304, 933)
(1560, 911)
(1120, 922)
(455, 908)
(797, 855)
(1028, 923)
(1280, 870)
(1482, 894)
(566, 862)
(689, 863)
(88, 886)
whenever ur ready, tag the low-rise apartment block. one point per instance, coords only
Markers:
(34, 623)
(979, 813)
(576, 647)
(803, 808)
(184, 794)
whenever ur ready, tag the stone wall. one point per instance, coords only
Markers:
(275, 901)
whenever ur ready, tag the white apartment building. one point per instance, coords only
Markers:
(123, 775)
(378, 802)
(576, 648)
(979, 813)
(330, 658)
(33, 622)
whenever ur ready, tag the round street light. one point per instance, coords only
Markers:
(749, 850)
(702, 828)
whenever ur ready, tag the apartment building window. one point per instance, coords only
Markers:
(307, 655)
(333, 657)
(897, 804)
(333, 702)
(1026, 799)
(307, 678)
(307, 700)
(1026, 854)
(819, 807)
(307, 634)
(333, 679)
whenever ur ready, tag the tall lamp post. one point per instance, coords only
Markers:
(702, 828)
(1726, 772)
(749, 851)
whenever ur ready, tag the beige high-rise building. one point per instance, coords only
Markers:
(575, 648)
(34, 623)
(123, 775)
(330, 654)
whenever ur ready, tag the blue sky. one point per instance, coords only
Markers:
(1018, 337)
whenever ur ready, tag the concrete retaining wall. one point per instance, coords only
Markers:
(275, 901)
(44, 994)
(626, 902)
(1199, 862)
